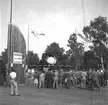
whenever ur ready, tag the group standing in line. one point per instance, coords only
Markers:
(84, 79)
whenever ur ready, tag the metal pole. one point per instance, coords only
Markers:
(11, 13)
(28, 48)
(8, 50)
(28, 43)
(9, 38)
(76, 49)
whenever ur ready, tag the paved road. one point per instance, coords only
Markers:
(32, 96)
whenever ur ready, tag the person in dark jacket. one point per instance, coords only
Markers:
(49, 79)
(96, 79)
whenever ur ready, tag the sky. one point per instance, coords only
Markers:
(57, 19)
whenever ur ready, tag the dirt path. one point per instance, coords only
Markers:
(33, 96)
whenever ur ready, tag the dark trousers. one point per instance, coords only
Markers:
(96, 83)
(68, 84)
(48, 82)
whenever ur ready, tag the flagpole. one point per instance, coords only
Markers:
(28, 42)
(28, 48)
(28, 37)
(76, 50)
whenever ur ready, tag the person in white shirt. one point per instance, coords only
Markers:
(14, 85)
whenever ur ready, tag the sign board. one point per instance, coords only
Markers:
(17, 58)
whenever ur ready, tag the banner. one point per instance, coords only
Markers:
(17, 58)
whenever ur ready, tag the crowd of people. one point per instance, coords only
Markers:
(55, 78)
(58, 77)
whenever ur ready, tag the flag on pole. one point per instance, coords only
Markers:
(88, 41)
(35, 34)
(85, 39)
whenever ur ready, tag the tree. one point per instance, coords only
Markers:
(64, 60)
(90, 60)
(97, 32)
(54, 50)
(2, 73)
(3, 62)
(33, 59)
(75, 52)
(4, 56)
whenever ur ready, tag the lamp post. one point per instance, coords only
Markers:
(28, 41)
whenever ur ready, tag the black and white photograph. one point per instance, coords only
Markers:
(53, 52)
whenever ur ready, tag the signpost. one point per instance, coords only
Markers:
(17, 58)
